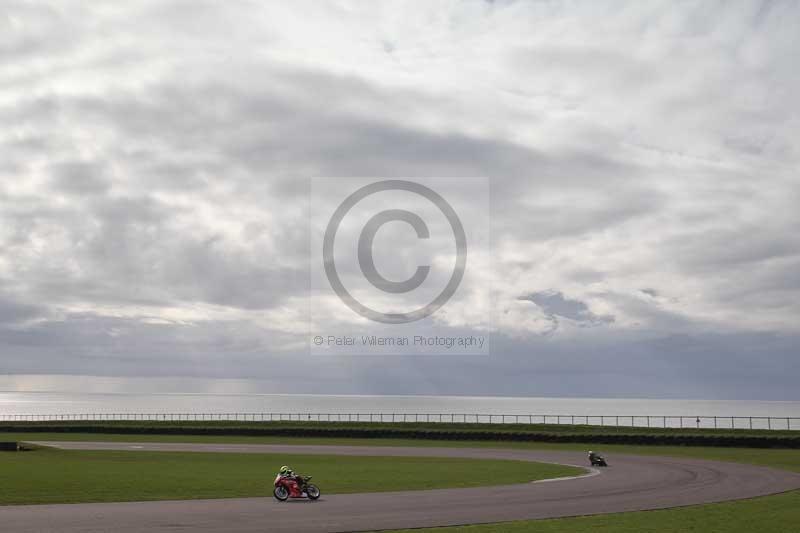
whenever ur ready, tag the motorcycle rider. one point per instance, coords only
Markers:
(593, 456)
(287, 472)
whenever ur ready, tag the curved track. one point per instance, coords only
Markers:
(631, 483)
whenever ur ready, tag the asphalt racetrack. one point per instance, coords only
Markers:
(630, 483)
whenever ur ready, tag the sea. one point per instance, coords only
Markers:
(605, 411)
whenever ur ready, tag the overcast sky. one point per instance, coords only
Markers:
(643, 158)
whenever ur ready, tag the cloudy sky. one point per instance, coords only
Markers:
(155, 160)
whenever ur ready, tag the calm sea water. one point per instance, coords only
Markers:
(54, 403)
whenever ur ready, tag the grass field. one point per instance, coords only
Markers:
(66, 476)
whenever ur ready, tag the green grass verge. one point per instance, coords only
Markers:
(772, 514)
(67, 476)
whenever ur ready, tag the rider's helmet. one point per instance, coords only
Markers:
(591, 452)
(285, 470)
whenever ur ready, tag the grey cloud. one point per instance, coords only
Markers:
(729, 247)
(602, 67)
(331, 141)
(29, 30)
(693, 365)
(651, 315)
(13, 312)
(81, 178)
(133, 250)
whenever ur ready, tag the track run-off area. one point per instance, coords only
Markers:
(630, 483)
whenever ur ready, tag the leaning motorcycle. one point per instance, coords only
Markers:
(288, 487)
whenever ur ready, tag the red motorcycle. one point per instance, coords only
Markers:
(288, 487)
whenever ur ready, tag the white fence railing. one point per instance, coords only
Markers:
(655, 421)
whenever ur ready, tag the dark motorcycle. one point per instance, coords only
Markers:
(597, 460)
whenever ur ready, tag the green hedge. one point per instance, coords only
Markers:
(265, 429)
